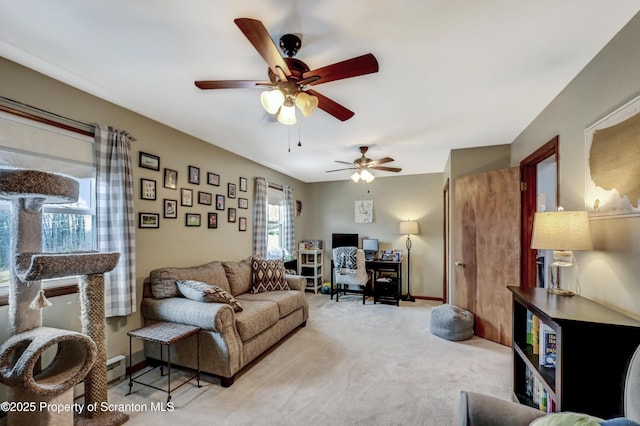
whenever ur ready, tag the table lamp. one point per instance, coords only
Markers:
(562, 232)
(407, 228)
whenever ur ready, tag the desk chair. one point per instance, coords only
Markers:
(350, 271)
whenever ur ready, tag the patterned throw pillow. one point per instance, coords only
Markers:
(268, 275)
(345, 257)
(203, 292)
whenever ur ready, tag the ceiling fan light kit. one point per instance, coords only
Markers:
(363, 164)
(290, 78)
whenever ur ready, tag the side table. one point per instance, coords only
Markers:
(165, 334)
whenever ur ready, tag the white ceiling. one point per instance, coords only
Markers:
(453, 74)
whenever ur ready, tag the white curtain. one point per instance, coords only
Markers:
(260, 220)
(115, 217)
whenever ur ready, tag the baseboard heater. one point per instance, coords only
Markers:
(116, 371)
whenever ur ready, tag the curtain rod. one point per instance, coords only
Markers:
(27, 111)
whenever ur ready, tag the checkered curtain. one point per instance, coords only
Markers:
(288, 231)
(115, 217)
(260, 219)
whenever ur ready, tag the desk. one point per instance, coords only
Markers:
(383, 291)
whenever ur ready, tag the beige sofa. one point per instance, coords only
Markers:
(229, 340)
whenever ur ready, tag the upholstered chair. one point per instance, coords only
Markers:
(350, 271)
(483, 410)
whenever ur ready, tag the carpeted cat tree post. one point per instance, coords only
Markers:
(20, 356)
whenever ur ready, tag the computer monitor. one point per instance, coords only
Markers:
(370, 247)
(344, 240)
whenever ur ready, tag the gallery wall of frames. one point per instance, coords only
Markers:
(199, 197)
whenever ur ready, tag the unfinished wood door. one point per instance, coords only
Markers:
(487, 249)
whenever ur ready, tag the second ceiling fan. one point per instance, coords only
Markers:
(363, 164)
(290, 79)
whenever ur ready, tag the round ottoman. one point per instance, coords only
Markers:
(451, 323)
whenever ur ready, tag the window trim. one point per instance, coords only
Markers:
(32, 113)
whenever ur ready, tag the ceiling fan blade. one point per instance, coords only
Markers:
(381, 161)
(230, 84)
(361, 65)
(259, 37)
(387, 169)
(332, 107)
(344, 162)
(339, 170)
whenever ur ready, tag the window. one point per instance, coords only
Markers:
(32, 144)
(275, 240)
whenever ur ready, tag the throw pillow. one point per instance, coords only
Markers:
(203, 292)
(619, 421)
(566, 419)
(268, 275)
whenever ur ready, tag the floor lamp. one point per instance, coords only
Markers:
(407, 228)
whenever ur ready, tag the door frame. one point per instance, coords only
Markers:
(529, 191)
(445, 236)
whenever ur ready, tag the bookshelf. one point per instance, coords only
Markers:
(594, 345)
(310, 266)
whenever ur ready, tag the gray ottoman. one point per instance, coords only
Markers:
(451, 323)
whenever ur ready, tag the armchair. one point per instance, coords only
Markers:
(350, 271)
(484, 410)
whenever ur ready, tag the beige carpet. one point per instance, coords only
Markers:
(351, 365)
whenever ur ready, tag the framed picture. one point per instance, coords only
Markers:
(192, 219)
(170, 179)
(148, 161)
(148, 220)
(243, 184)
(186, 197)
(219, 202)
(243, 203)
(170, 209)
(147, 189)
(242, 225)
(231, 190)
(194, 175)
(298, 208)
(231, 215)
(213, 179)
(204, 198)
(212, 220)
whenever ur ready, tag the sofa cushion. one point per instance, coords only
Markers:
(239, 276)
(268, 275)
(203, 292)
(163, 280)
(256, 316)
(567, 418)
(287, 301)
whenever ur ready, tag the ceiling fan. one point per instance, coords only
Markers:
(290, 79)
(363, 164)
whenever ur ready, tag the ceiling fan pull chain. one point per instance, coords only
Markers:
(289, 150)
(299, 126)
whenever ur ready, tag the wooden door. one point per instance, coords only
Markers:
(487, 249)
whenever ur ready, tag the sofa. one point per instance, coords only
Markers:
(484, 410)
(256, 304)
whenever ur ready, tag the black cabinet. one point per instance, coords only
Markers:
(593, 343)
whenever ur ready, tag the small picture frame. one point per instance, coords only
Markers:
(219, 202)
(186, 197)
(170, 209)
(242, 224)
(194, 175)
(148, 161)
(231, 217)
(243, 184)
(243, 203)
(192, 219)
(147, 189)
(212, 220)
(148, 220)
(213, 179)
(204, 198)
(231, 190)
(170, 179)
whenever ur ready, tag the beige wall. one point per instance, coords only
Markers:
(415, 197)
(609, 274)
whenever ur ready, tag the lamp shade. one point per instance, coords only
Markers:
(366, 176)
(306, 103)
(408, 227)
(287, 115)
(272, 100)
(565, 230)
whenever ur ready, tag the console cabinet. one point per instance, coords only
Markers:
(593, 345)
(310, 266)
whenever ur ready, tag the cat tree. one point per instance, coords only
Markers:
(78, 355)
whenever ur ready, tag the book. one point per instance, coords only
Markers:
(535, 335)
(547, 356)
(529, 328)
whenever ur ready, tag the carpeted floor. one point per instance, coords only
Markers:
(351, 365)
